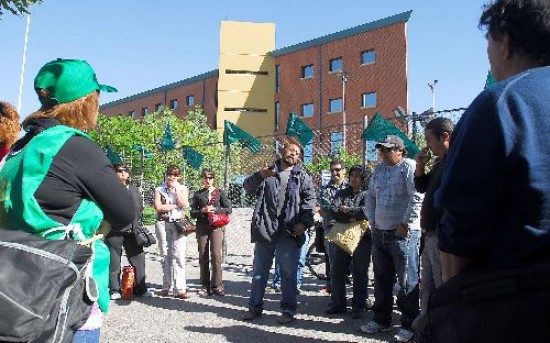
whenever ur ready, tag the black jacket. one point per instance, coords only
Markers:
(200, 200)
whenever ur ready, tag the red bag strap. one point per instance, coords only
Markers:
(214, 196)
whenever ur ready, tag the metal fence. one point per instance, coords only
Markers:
(239, 163)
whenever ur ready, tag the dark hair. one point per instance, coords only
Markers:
(362, 171)
(336, 161)
(173, 169)
(118, 166)
(208, 172)
(527, 22)
(440, 125)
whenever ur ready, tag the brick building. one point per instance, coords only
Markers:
(371, 59)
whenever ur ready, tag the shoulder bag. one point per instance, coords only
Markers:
(347, 235)
(144, 237)
(217, 219)
(185, 226)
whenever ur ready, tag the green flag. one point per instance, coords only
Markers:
(112, 155)
(142, 150)
(490, 80)
(167, 142)
(379, 128)
(193, 157)
(297, 128)
(232, 134)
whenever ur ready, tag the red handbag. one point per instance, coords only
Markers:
(217, 219)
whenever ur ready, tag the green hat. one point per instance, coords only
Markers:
(67, 80)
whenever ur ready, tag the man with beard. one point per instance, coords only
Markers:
(284, 210)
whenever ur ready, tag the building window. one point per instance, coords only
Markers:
(190, 100)
(335, 105)
(308, 152)
(277, 78)
(336, 64)
(335, 142)
(368, 99)
(307, 110)
(144, 111)
(173, 104)
(368, 57)
(157, 107)
(277, 115)
(307, 71)
(132, 114)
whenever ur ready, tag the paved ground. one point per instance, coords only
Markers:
(216, 319)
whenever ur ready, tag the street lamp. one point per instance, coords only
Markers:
(405, 118)
(344, 78)
(432, 88)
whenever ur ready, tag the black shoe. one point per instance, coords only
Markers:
(331, 310)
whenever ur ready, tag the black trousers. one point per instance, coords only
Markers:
(136, 257)
(507, 305)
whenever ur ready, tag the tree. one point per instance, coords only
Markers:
(123, 134)
(17, 7)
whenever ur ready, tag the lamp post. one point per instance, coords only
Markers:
(432, 88)
(344, 78)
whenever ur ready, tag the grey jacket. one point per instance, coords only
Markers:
(265, 225)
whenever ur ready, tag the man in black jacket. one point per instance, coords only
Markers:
(284, 210)
(126, 238)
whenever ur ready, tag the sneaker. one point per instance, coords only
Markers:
(146, 294)
(116, 295)
(374, 327)
(285, 318)
(251, 314)
(276, 289)
(403, 335)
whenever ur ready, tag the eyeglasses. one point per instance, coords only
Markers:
(174, 174)
(122, 170)
(208, 177)
(336, 170)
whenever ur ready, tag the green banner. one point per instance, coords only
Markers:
(379, 128)
(112, 155)
(193, 157)
(232, 134)
(167, 142)
(295, 127)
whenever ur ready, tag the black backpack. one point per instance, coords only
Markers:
(46, 293)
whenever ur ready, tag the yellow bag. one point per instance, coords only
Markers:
(347, 235)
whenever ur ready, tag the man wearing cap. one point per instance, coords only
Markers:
(393, 207)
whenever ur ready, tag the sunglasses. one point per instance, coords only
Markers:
(121, 170)
(208, 177)
(337, 170)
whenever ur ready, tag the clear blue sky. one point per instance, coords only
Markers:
(139, 45)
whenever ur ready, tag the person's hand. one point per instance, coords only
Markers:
(171, 183)
(268, 171)
(299, 229)
(423, 157)
(402, 231)
(208, 209)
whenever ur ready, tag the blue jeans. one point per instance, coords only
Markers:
(301, 265)
(359, 262)
(395, 258)
(287, 252)
(86, 336)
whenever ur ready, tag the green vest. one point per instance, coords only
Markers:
(20, 177)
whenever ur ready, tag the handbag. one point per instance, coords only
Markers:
(144, 237)
(347, 235)
(185, 226)
(217, 219)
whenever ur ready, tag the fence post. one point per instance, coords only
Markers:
(226, 186)
(365, 145)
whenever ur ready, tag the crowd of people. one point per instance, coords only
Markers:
(460, 242)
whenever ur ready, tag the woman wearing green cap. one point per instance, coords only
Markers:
(61, 184)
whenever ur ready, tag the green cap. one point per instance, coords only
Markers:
(67, 80)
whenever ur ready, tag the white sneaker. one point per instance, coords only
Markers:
(116, 296)
(403, 335)
(374, 327)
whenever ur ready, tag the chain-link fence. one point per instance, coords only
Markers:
(238, 162)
